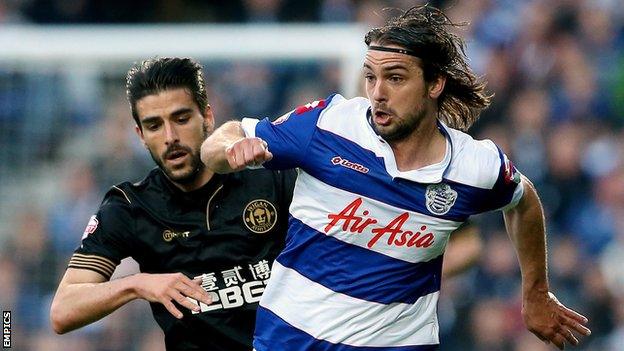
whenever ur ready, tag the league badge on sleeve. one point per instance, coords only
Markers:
(91, 226)
(511, 173)
(282, 118)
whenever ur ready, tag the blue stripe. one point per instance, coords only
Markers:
(273, 333)
(356, 271)
(504, 190)
(288, 140)
(378, 184)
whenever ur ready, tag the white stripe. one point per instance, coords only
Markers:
(338, 318)
(517, 195)
(347, 118)
(313, 200)
(474, 162)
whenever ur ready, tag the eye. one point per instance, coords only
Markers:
(369, 77)
(152, 126)
(395, 78)
(183, 119)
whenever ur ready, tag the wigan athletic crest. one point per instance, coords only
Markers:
(440, 198)
(260, 216)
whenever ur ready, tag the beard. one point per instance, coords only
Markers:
(188, 172)
(401, 128)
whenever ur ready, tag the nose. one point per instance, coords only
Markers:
(379, 93)
(171, 134)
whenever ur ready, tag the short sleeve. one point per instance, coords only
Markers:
(508, 189)
(107, 236)
(288, 136)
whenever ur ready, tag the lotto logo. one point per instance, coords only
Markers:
(337, 160)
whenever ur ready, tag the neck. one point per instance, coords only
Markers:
(202, 179)
(425, 146)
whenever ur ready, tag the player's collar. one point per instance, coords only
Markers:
(431, 174)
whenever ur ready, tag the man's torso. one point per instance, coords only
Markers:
(228, 233)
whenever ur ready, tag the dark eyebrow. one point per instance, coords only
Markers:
(394, 67)
(181, 111)
(388, 68)
(151, 119)
(176, 113)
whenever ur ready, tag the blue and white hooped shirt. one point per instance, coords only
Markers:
(363, 258)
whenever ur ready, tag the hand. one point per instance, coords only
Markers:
(551, 321)
(169, 287)
(247, 152)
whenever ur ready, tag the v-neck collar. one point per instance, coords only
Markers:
(430, 174)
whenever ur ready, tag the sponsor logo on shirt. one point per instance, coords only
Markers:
(339, 161)
(260, 216)
(241, 286)
(440, 198)
(359, 222)
(169, 235)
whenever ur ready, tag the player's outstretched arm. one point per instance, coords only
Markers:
(228, 150)
(84, 296)
(543, 314)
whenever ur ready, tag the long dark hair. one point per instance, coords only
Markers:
(425, 30)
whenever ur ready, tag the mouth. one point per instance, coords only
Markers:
(382, 118)
(176, 156)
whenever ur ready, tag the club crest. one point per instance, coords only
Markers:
(440, 198)
(260, 216)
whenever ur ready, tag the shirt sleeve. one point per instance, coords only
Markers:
(509, 188)
(289, 136)
(106, 239)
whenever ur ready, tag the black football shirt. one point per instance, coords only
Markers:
(228, 233)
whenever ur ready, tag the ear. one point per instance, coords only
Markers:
(139, 132)
(209, 120)
(436, 87)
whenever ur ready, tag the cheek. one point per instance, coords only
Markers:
(368, 87)
(194, 137)
(412, 96)
(154, 142)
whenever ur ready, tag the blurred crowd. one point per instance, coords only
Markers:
(556, 68)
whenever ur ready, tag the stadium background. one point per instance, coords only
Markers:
(556, 67)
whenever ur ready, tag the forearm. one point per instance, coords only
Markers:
(78, 304)
(525, 226)
(213, 149)
(462, 251)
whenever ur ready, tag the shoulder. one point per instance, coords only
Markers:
(126, 195)
(474, 162)
(347, 118)
(338, 108)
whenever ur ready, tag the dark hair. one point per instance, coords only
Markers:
(162, 73)
(425, 30)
